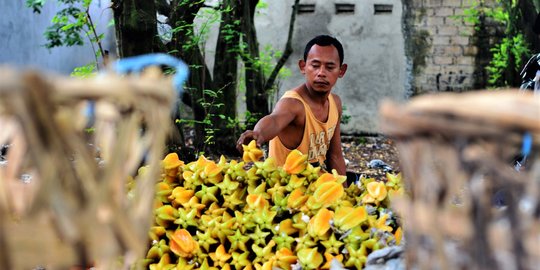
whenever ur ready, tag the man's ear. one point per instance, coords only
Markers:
(302, 66)
(342, 70)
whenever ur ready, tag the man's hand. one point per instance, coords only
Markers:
(246, 137)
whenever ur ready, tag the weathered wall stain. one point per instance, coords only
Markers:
(446, 52)
(453, 82)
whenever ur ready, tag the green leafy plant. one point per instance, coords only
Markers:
(515, 47)
(509, 53)
(84, 71)
(345, 118)
(69, 27)
(208, 102)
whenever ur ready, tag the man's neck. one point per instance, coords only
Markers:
(316, 97)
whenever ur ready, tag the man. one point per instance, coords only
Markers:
(307, 117)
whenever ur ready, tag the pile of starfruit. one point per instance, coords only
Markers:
(252, 214)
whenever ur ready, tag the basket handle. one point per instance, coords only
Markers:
(136, 64)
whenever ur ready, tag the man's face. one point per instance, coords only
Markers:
(322, 68)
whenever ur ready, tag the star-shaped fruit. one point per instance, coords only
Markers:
(238, 241)
(207, 194)
(251, 152)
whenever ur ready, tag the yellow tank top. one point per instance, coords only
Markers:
(316, 137)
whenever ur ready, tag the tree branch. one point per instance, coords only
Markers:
(163, 7)
(288, 50)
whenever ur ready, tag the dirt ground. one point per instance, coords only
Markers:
(359, 151)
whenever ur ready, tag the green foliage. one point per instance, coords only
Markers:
(345, 118)
(267, 60)
(68, 23)
(207, 17)
(36, 5)
(73, 25)
(69, 27)
(477, 9)
(250, 119)
(262, 5)
(512, 49)
(84, 71)
(515, 47)
(210, 106)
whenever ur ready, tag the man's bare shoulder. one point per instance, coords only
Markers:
(337, 99)
(290, 103)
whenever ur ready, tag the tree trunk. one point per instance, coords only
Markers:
(183, 45)
(256, 98)
(225, 75)
(528, 17)
(135, 26)
(257, 86)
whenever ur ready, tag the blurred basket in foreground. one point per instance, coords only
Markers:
(456, 154)
(76, 142)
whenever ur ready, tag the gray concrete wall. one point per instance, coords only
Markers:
(374, 52)
(437, 53)
(21, 37)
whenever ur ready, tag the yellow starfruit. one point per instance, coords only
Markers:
(295, 182)
(170, 163)
(296, 199)
(325, 177)
(380, 224)
(220, 256)
(165, 214)
(180, 195)
(328, 257)
(284, 258)
(251, 152)
(320, 223)
(257, 202)
(309, 258)
(286, 226)
(393, 180)
(376, 192)
(269, 164)
(295, 162)
(325, 195)
(163, 264)
(347, 218)
(398, 235)
(212, 173)
(182, 244)
(156, 232)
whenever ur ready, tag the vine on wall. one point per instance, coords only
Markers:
(507, 56)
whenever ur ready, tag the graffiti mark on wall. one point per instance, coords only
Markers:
(451, 81)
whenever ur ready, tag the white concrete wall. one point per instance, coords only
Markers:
(374, 52)
(21, 37)
(374, 47)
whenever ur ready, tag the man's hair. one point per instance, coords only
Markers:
(325, 40)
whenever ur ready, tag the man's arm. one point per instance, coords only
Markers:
(271, 125)
(334, 156)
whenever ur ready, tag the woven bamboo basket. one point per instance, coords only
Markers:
(456, 153)
(71, 206)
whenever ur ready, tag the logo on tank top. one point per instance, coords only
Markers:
(319, 142)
